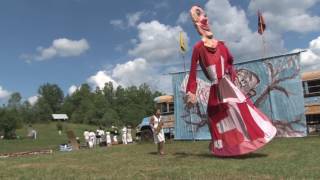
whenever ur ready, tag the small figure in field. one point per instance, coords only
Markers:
(92, 139)
(115, 134)
(32, 133)
(158, 134)
(86, 136)
(98, 136)
(124, 135)
(129, 135)
(108, 139)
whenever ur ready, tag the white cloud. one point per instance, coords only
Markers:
(156, 46)
(183, 18)
(230, 24)
(139, 71)
(133, 72)
(287, 15)
(33, 99)
(72, 89)
(60, 48)
(133, 41)
(117, 23)
(133, 18)
(100, 78)
(4, 94)
(310, 59)
(315, 46)
(158, 43)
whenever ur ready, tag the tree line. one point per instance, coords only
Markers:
(103, 107)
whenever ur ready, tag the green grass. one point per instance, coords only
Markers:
(283, 158)
(48, 137)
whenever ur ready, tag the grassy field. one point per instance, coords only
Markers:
(48, 137)
(295, 158)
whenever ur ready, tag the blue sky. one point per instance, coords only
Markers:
(70, 42)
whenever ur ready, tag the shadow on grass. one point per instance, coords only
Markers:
(153, 153)
(208, 155)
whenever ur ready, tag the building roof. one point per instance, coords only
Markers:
(165, 98)
(311, 75)
(59, 116)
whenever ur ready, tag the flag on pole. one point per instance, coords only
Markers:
(261, 23)
(183, 46)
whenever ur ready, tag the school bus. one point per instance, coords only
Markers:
(311, 90)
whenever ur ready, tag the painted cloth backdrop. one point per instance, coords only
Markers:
(273, 84)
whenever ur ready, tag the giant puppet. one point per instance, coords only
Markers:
(236, 126)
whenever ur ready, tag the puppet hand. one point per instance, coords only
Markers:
(191, 98)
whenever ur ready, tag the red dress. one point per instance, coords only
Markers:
(237, 127)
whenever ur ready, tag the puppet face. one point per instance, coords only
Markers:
(200, 21)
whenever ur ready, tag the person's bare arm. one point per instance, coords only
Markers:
(151, 123)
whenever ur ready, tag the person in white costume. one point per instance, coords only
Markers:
(114, 135)
(124, 135)
(103, 137)
(86, 136)
(92, 139)
(158, 133)
(108, 138)
(98, 136)
(129, 135)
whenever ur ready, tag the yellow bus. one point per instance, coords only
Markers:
(311, 90)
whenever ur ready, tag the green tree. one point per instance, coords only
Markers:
(9, 122)
(42, 110)
(28, 114)
(52, 95)
(109, 93)
(110, 118)
(14, 100)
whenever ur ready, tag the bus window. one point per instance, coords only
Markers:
(312, 88)
(164, 108)
(171, 107)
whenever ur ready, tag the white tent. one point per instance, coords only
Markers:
(60, 117)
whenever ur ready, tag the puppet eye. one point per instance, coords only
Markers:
(198, 12)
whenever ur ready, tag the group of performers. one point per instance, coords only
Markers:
(236, 126)
(107, 138)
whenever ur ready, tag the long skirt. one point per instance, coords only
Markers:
(237, 127)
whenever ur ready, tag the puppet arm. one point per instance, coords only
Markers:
(192, 81)
(230, 66)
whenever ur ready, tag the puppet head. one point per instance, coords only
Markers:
(200, 20)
